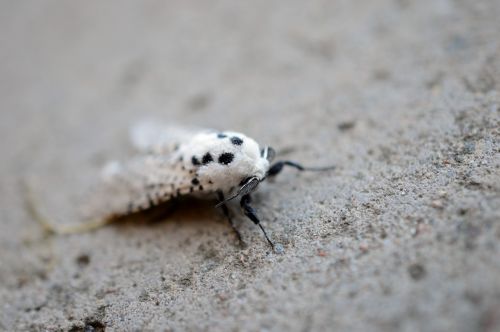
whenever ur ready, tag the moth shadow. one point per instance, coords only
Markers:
(186, 210)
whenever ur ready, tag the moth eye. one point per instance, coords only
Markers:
(245, 180)
(268, 153)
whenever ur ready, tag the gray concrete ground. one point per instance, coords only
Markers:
(404, 96)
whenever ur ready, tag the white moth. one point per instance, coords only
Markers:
(175, 162)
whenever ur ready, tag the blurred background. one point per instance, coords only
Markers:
(402, 95)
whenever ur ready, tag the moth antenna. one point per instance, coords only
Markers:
(227, 199)
(303, 168)
(319, 169)
(245, 189)
(278, 167)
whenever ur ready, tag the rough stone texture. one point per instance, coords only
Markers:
(403, 96)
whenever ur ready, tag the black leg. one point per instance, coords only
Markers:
(278, 167)
(225, 210)
(250, 213)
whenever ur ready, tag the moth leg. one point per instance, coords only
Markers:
(249, 211)
(225, 210)
(278, 167)
(33, 208)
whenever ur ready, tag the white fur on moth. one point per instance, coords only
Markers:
(176, 161)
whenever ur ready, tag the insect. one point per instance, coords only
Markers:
(175, 162)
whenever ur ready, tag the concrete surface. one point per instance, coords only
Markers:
(403, 96)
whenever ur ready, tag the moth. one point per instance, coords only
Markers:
(173, 162)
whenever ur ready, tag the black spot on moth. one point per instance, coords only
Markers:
(195, 181)
(195, 161)
(236, 140)
(226, 158)
(221, 135)
(207, 158)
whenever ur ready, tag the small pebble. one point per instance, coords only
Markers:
(442, 193)
(347, 125)
(278, 248)
(469, 147)
(322, 253)
(437, 204)
(416, 271)
(458, 158)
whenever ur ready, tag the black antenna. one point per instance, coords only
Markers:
(278, 167)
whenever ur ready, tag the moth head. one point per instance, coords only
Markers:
(250, 183)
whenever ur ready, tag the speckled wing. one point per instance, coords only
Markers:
(159, 138)
(137, 185)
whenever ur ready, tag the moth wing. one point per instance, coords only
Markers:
(134, 186)
(154, 137)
